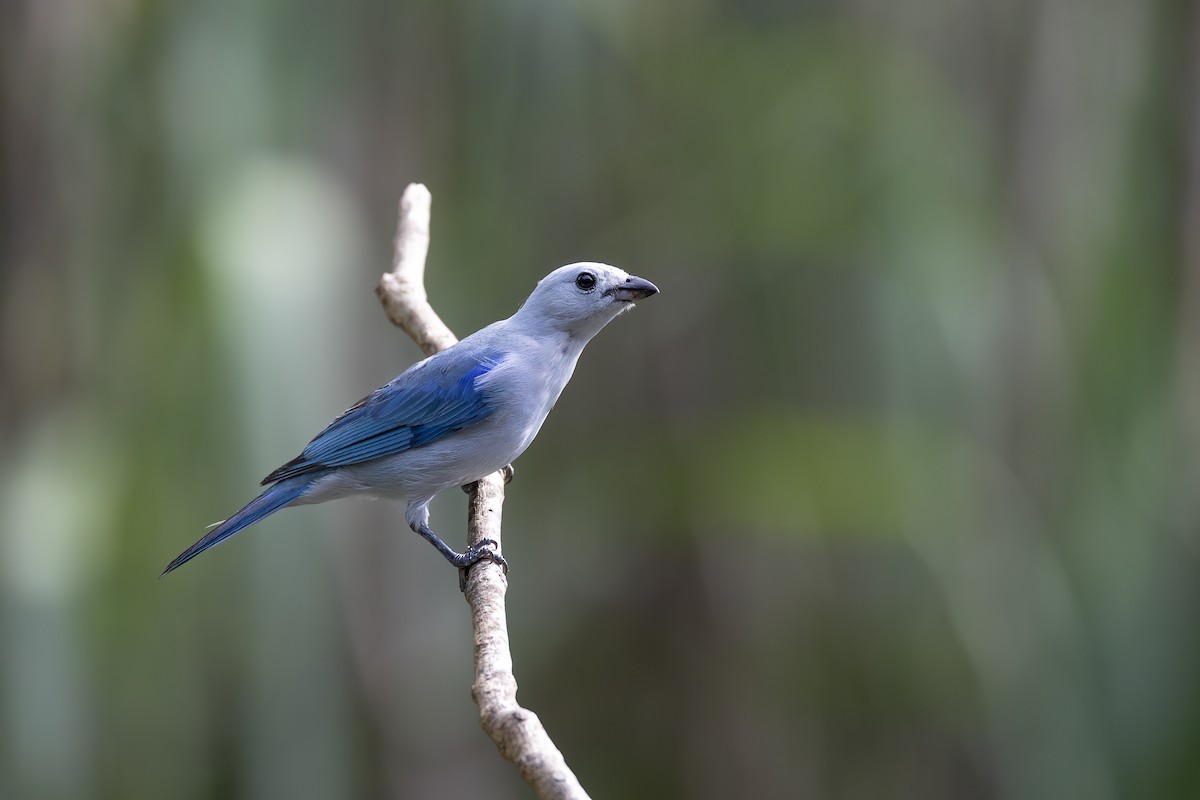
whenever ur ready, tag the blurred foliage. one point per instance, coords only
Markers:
(891, 493)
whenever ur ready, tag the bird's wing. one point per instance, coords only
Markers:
(429, 401)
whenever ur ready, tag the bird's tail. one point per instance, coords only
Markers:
(267, 503)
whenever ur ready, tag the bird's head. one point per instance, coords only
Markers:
(580, 299)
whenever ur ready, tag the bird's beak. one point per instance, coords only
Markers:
(633, 289)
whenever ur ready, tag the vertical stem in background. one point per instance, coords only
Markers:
(517, 732)
(1188, 387)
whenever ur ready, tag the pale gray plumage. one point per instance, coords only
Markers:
(455, 417)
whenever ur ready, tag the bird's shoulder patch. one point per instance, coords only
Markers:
(429, 401)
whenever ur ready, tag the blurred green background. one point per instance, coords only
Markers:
(892, 493)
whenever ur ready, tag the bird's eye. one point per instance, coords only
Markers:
(586, 281)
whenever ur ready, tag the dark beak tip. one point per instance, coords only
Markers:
(643, 287)
(633, 288)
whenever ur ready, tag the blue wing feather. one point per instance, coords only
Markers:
(421, 406)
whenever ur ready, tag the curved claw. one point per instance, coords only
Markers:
(474, 554)
(466, 559)
(509, 473)
(484, 543)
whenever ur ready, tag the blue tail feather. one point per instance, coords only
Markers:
(266, 504)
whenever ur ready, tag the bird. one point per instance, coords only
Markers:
(452, 418)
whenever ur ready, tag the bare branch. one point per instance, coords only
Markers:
(517, 732)
(402, 291)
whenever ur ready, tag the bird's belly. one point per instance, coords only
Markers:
(458, 459)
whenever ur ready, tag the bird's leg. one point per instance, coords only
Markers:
(466, 559)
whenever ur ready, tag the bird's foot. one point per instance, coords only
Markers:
(477, 552)
(509, 471)
(474, 554)
(468, 558)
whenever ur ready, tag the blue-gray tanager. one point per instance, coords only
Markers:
(455, 417)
